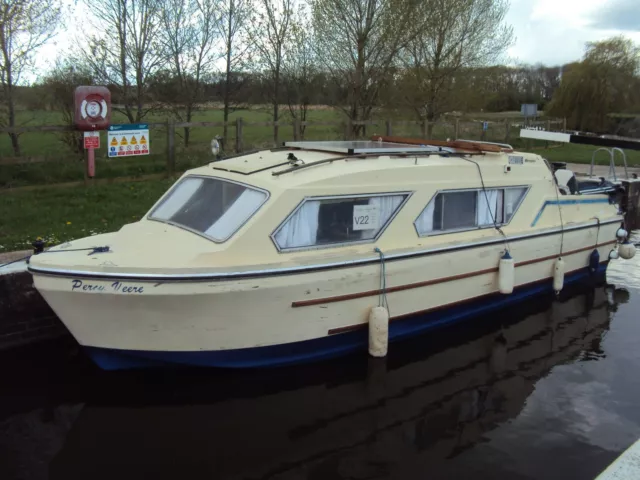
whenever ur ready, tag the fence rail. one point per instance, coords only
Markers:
(502, 130)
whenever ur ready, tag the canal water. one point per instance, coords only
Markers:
(549, 390)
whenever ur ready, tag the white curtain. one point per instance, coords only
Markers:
(386, 206)
(489, 207)
(511, 198)
(243, 208)
(301, 230)
(178, 198)
(424, 224)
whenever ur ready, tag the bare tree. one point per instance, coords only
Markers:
(233, 19)
(358, 41)
(456, 34)
(25, 26)
(189, 34)
(129, 54)
(300, 68)
(272, 29)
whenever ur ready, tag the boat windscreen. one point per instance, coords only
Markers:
(212, 207)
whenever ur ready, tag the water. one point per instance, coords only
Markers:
(548, 391)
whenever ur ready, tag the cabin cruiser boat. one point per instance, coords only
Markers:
(279, 256)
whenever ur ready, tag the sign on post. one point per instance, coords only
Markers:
(529, 110)
(91, 140)
(128, 140)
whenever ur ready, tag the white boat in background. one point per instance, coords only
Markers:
(280, 256)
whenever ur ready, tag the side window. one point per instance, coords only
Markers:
(327, 221)
(468, 209)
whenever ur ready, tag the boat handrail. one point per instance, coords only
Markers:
(503, 145)
(297, 167)
(612, 162)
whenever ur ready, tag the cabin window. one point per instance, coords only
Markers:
(336, 220)
(468, 209)
(209, 206)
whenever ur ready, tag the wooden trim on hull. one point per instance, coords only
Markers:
(399, 288)
(360, 326)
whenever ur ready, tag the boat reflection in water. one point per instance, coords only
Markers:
(352, 418)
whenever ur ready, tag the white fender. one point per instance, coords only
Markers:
(378, 332)
(627, 250)
(506, 274)
(558, 274)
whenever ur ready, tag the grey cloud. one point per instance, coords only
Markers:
(618, 15)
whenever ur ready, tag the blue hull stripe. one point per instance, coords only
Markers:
(325, 347)
(567, 202)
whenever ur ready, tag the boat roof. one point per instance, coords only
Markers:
(306, 162)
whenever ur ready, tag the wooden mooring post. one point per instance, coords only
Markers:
(631, 204)
(171, 146)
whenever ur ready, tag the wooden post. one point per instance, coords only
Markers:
(548, 128)
(275, 133)
(239, 135)
(631, 203)
(348, 129)
(296, 129)
(171, 146)
(456, 129)
(507, 130)
(388, 128)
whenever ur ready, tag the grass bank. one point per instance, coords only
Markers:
(61, 214)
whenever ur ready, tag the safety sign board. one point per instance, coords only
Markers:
(126, 140)
(91, 140)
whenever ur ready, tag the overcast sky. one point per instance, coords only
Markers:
(554, 32)
(551, 32)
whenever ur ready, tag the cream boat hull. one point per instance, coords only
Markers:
(292, 315)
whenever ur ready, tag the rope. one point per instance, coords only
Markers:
(15, 261)
(486, 197)
(382, 297)
(561, 221)
(597, 232)
(93, 250)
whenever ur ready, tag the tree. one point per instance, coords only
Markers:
(456, 35)
(189, 33)
(270, 38)
(233, 19)
(128, 55)
(605, 81)
(357, 41)
(25, 26)
(59, 86)
(300, 69)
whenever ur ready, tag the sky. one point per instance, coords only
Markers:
(552, 32)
